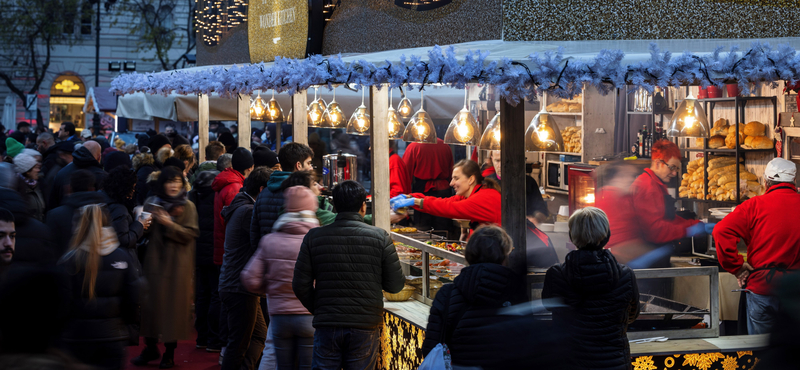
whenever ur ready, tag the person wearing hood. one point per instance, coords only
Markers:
(60, 219)
(85, 158)
(34, 240)
(213, 150)
(207, 304)
(247, 328)
(168, 269)
(144, 164)
(600, 297)
(226, 186)
(119, 188)
(270, 271)
(28, 184)
(53, 163)
(116, 159)
(104, 292)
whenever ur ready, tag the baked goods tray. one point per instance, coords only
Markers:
(421, 245)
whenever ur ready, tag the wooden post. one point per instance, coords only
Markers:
(300, 124)
(379, 138)
(512, 142)
(202, 125)
(243, 121)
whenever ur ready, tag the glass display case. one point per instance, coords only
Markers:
(428, 260)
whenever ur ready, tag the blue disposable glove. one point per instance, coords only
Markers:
(402, 203)
(399, 197)
(697, 229)
(710, 228)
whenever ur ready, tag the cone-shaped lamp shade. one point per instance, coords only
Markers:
(396, 126)
(491, 136)
(420, 129)
(543, 134)
(463, 129)
(315, 114)
(274, 113)
(359, 122)
(334, 117)
(257, 108)
(404, 109)
(689, 120)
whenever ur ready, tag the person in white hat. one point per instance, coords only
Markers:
(767, 225)
(28, 167)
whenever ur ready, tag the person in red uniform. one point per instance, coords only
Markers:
(476, 199)
(653, 207)
(767, 225)
(430, 166)
(615, 199)
(399, 178)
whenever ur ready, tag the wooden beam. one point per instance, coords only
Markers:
(243, 121)
(202, 125)
(512, 142)
(379, 138)
(300, 124)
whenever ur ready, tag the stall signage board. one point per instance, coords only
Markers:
(277, 28)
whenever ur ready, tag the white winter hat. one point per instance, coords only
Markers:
(780, 170)
(24, 162)
(31, 152)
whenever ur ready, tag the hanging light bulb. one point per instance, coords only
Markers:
(315, 113)
(420, 128)
(396, 126)
(543, 135)
(333, 116)
(463, 128)
(359, 122)
(490, 140)
(405, 108)
(257, 108)
(274, 113)
(689, 120)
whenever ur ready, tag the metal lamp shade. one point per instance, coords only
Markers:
(396, 126)
(490, 140)
(420, 129)
(463, 129)
(543, 134)
(359, 122)
(689, 120)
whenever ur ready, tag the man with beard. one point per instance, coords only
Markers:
(7, 237)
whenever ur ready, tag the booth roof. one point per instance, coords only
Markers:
(519, 69)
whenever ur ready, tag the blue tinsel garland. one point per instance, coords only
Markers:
(549, 72)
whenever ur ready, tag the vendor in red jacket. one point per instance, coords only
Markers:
(399, 178)
(476, 199)
(654, 208)
(615, 199)
(768, 226)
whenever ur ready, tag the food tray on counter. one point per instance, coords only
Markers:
(408, 240)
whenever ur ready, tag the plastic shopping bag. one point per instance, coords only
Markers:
(437, 359)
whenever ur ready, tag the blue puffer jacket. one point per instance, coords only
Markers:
(268, 208)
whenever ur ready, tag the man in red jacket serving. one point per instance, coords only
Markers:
(767, 225)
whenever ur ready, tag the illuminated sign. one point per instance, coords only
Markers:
(66, 86)
(277, 28)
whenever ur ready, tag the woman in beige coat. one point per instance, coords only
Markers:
(168, 268)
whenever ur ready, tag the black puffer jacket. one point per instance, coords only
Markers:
(128, 231)
(268, 207)
(82, 159)
(341, 270)
(202, 195)
(144, 165)
(61, 219)
(238, 249)
(474, 330)
(116, 301)
(602, 299)
(35, 244)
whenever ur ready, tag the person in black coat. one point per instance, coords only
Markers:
(144, 164)
(86, 158)
(207, 304)
(119, 188)
(104, 292)
(61, 220)
(56, 158)
(599, 296)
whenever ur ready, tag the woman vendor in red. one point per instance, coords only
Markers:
(476, 199)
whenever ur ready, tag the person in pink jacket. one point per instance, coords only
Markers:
(271, 270)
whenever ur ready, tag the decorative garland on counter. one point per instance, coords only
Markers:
(547, 72)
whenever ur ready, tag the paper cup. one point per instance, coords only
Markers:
(147, 216)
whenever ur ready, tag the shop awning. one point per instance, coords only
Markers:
(100, 99)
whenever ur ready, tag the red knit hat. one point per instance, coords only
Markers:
(300, 198)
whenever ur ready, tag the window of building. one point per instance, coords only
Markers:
(67, 97)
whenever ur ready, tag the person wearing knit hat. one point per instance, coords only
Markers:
(157, 142)
(116, 159)
(13, 147)
(264, 157)
(179, 140)
(175, 162)
(142, 140)
(32, 152)
(24, 162)
(242, 161)
(28, 185)
(227, 139)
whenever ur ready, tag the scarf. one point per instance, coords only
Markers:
(302, 216)
(108, 241)
(170, 203)
(30, 182)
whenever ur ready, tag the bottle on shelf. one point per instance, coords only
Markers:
(639, 144)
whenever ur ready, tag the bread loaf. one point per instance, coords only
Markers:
(731, 177)
(720, 162)
(720, 127)
(755, 128)
(716, 142)
(730, 140)
(732, 129)
(759, 142)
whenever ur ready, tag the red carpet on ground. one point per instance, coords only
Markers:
(187, 357)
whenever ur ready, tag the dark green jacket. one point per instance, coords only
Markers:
(341, 271)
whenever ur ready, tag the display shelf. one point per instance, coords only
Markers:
(727, 150)
(642, 113)
(735, 98)
(569, 114)
(722, 202)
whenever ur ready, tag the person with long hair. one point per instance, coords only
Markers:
(168, 268)
(477, 199)
(104, 292)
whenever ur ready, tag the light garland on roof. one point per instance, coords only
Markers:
(543, 72)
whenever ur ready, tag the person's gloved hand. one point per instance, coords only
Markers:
(710, 228)
(399, 197)
(402, 203)
(697, 229)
